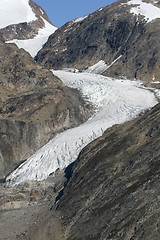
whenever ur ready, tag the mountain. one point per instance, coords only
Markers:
(25, 23)
(124, 35)
(112, 190)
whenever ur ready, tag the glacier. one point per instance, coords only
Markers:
(115, 101)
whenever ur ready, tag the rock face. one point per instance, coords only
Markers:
(34, 106)
(119, 34)
(112, 190)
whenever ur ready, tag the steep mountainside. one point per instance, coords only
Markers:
(25, 23)
(34, 105)
(119, 34)
(112, 190)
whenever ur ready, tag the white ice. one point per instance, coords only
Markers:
(148, 10)
(98, 68)
(101, 66)
(14, 12)
(35, 44)
(115, 101)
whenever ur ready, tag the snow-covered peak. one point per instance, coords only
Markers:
(14, 12)
(31, 39)
(148, 10)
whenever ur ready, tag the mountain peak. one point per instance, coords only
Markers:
(15, 12)
(25, 23)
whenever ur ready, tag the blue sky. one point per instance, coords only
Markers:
(62, 11)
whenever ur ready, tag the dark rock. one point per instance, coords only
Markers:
(113, 188)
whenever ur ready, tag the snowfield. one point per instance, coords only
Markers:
(101, 66)
(14, 12)
(35, 44)
(115, 101)
(148, 10)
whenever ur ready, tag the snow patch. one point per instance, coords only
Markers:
(114, 61)
(42, 11)
(157, 93)
(35, 44)
(157, 82)
(154, 1)
(14, 12)
(100, 9)
(101, 66)
(148, 10)
(79, 19)
(116, 101)
(98, 68)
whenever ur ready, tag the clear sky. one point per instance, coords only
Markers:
(62, 11)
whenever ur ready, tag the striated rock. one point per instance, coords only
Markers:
(113, 34)
(112, 190)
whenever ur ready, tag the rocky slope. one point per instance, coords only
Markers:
(25, 211)
(119, 33)
(34, 105)
(112, 191)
